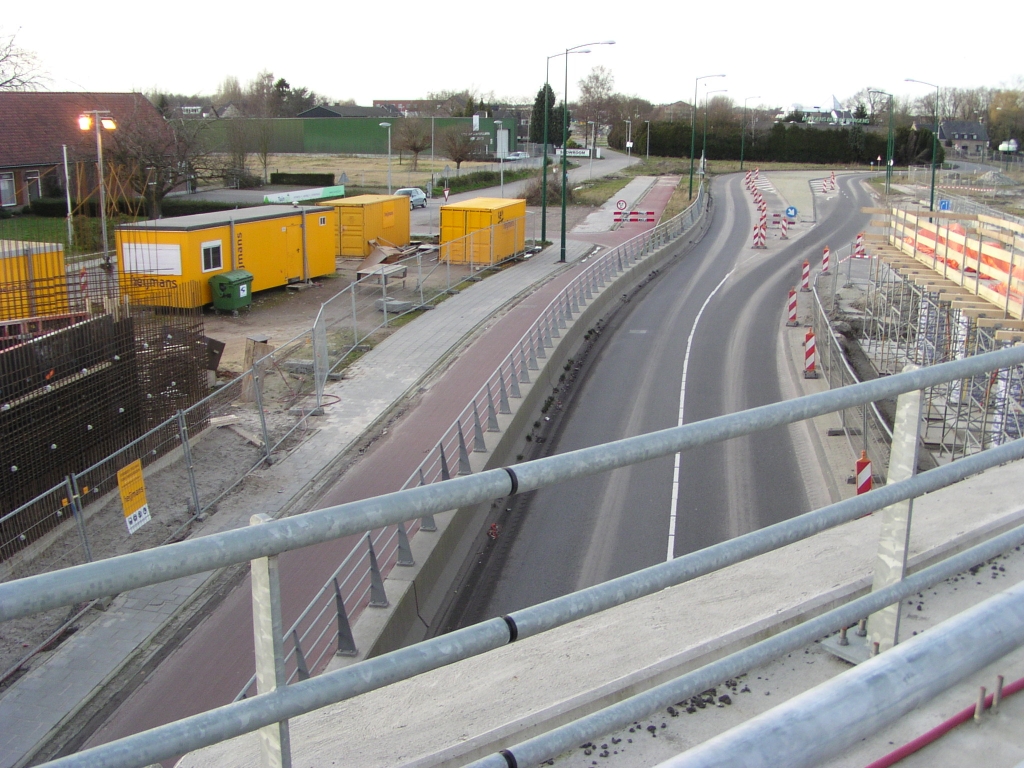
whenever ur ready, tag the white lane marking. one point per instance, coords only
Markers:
(682, 399)
(637, 330)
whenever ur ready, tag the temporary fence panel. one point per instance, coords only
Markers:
(33, 280)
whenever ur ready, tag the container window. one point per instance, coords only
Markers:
(7, 196)
(212, 258)
(323, 221)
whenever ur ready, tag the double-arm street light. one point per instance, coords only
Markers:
(647, 124)
(935, 137)
(704, 147)
(890, 144)
(582, 48)
(693, 125)
(97, 119)
(388, 126)
(743, 129)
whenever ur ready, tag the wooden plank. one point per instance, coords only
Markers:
(1004, 223)
(982, 315)
(1001, 322)
(879, 223)
(886, 211)
(1014, 336)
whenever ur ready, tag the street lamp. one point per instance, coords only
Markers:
(544, 163)
(96, 119)
(743, 122)
(648, 129)
(565, 134)
(693, 125)
(890, 144)
(593, 145)
(629, 137)
(704, 147)
(388, 126)
(935, 137)
(501, 155)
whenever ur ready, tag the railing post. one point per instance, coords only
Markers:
(187, 455)
(258, 392)
(301, 668)
(405, 557)
(479, 444)
(445, 472)
(891, 562)
(427, 522)
(346, 643)
(275, 747)
(464, 467)
(378, 597)
(513, 379)
(492, 414)
(503, 404)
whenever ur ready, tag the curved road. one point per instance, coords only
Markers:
(581, 533)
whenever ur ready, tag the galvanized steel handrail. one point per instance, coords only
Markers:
(118, 574)
(245, 716)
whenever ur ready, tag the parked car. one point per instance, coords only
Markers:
(517, 156)
(417, 197)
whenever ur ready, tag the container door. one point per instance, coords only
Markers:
(293, 250)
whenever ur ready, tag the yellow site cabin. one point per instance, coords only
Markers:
(364, 218)
(33, 280)
(278, 244)
(482, 231)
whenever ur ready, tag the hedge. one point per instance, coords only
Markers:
(303, 179)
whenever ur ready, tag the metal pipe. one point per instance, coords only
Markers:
(824, 721)
(119, 574)
(621, 714)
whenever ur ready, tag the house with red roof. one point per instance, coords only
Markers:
(37, 127)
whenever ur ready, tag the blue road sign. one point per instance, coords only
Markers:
(945, 205)
(791, 212)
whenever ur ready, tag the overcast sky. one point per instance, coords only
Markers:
(799, 52)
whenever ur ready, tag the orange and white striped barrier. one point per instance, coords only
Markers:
(809, 355)
(833, 180)
(791, 306)
(757, 172)
(858, 247)
(805, 277)
(785, 229)
(864, 483)
(825, 253)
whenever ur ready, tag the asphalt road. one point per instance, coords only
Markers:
(581, 533)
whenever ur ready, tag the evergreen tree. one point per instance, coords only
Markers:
(537, 119)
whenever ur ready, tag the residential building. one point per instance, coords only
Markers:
(964, 137)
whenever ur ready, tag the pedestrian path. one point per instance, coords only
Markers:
(38, 703)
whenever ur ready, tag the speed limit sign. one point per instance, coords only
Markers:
(621, 205)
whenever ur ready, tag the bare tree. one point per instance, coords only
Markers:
(19, 68)
(152, 156)
(413, 136)
(457, 144)
(595, 96)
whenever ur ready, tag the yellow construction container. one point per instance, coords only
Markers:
(278, 244)
(33, 280)
(484, 230)
(364, 218)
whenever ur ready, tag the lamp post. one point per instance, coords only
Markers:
(593, 145)
(890, 144)
(565, 138)
(648, 129)
(935, 137)
(743, 130)
(693, 125)
(501, 155)
(704, 147)
(629, 137)
(100, 118)
(388, 126)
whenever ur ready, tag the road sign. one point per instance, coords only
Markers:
(446, 192)
(945, 205)
(791, 212)
(621, 205)
(133, 496)
(629, 145)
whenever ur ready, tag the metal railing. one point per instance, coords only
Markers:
(311, 637)
(271, 538)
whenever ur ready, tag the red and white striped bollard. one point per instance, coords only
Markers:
(824, 260)
(809, 355)
(864, 482)
(805, 277)
(785, 229)
(791, 303)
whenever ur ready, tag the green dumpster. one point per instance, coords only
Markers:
(232, 290)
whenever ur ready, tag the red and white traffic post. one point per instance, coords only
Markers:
(824, 260)
(864, 483)
(809, 355)
(785, 229)
(791, 305)
(805, 277)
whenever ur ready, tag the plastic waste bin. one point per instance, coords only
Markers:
(232, 290)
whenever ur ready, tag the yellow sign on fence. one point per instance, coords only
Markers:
(133, 496)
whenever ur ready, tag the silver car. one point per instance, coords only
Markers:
(417, 197)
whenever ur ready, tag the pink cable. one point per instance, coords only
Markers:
(943, 728)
